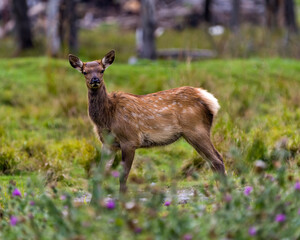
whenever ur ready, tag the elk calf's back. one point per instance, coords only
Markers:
(155, 119)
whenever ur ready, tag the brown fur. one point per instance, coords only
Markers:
(154, 119)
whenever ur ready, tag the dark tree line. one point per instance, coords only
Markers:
(279, 14)
(61, 28)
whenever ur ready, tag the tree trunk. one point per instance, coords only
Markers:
(207, 11)
(290, 15)
(275, 13)
(147, 48)
(53, 39)
(72, 24)
(281, 13)
(68, 25)
(23, 29)
(235, 15)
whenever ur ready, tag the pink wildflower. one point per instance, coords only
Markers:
(16, 193)
(248, 190)
(187, 237)
(228, 197)
(297, 186)
(110, 204)
(280, 217)
(115, 174)
(13, 220)
(137, 230)
(252, 231)
(63, 197)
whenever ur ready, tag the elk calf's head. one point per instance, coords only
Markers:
(93, 71)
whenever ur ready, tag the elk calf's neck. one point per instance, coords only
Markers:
(156, 119)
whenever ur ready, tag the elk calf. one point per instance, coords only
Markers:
(150, 120)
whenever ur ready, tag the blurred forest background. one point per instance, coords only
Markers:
(169, 29)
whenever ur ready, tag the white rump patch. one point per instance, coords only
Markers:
(210, 100)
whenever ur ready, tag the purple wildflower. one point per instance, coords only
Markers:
(16, 193)
(299, 211)
(32, 203)
(252, 231)
(167, 203)
(138, 230)
(248, 190)
(63, 197)
(297, 186)
(227, 197)
(115, 174)
(187, 237)
(110, 204)
(13, 220)
(278, 197)
(280, 217)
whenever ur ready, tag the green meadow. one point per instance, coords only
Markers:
(45, 127)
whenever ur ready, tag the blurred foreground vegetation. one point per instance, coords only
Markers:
(253, 206)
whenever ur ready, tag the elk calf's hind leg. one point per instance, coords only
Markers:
(203, 145)
(127, 159)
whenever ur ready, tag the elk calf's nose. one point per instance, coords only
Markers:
(95, 80)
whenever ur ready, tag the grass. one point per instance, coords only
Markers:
(45, 127)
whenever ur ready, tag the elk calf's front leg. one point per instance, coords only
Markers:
(127, 159)
(110, 161)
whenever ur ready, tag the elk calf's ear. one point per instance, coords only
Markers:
(75, 62)
(108, 59)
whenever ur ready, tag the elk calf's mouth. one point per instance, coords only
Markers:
(95, 85)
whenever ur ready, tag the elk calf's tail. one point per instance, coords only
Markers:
(211, 102)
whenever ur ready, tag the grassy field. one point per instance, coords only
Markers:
(45, 125)
(45, 131)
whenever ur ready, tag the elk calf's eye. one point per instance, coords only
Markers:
(102, 71)
(84, 73)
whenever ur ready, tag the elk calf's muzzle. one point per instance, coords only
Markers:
(95, 82)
